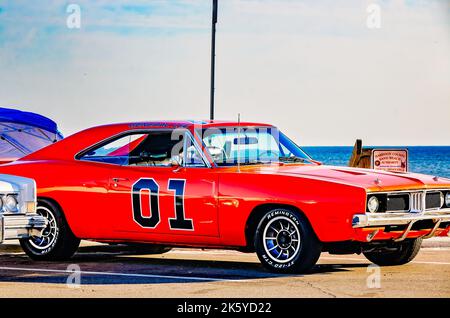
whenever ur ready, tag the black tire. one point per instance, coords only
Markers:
(147, 249)
(405, 252)
(299, 251)
(60, 242)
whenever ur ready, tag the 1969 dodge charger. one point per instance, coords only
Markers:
(213, 184)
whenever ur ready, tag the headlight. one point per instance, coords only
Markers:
(373, 204)
(447, 199)
(11, 204)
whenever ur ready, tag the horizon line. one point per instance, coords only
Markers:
(368, 146)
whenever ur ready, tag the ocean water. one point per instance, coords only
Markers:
(433, 160)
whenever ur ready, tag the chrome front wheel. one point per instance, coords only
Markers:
(281, 239)
(285, 242)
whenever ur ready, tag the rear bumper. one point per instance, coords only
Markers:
(373, 220)
(21, 226)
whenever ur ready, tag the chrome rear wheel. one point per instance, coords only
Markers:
(57, 241)
(49, 234)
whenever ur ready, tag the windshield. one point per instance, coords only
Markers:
(251, 145)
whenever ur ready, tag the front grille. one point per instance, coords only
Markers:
(416, 201)
(416, 204)
(433, 200)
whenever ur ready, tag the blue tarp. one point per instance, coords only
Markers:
(22, 133)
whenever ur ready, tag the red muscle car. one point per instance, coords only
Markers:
(212, 184)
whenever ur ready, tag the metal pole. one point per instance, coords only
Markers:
(239, 144)
(213, 58)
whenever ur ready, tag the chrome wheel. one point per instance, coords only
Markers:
(281, 239)
(50, 233)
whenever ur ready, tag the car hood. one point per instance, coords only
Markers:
(371, 180)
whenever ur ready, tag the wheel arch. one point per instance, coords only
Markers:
(56, 203)
(51, 200)
(256, 215)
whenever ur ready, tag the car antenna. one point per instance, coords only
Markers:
(239, 144)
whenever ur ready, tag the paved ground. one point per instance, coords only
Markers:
(214, 273)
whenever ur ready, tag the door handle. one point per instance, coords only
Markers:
(116, 181)
(120, 179)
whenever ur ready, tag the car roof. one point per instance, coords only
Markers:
(184, 124)
(70, 146)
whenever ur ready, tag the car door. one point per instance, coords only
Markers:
(163, 203)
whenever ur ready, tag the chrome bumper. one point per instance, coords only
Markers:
(21, 226)
(386, 219)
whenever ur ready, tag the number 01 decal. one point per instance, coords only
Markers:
(179, 222)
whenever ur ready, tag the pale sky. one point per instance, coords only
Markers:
(312, 68)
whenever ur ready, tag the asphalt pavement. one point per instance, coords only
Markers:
(98, 271)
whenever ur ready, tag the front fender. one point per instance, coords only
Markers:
(329, 206)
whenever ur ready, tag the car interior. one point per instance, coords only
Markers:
(153, 149)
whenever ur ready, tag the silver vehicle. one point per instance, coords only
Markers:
(18, 217)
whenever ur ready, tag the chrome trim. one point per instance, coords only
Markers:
(208, 157)
(406, 232)
(381, 219)
(21, 226)
(431, 234)
(384, 219)
(197, 147)
(184, 151)
(403, 191)
(417, 201)
(371, 236)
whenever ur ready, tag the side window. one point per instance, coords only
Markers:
(152, 149)
(162, 148)
(157, 149)
(115, 152)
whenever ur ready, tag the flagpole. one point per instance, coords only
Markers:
(213, 57)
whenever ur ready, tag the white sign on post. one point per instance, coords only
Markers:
(394, 160)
